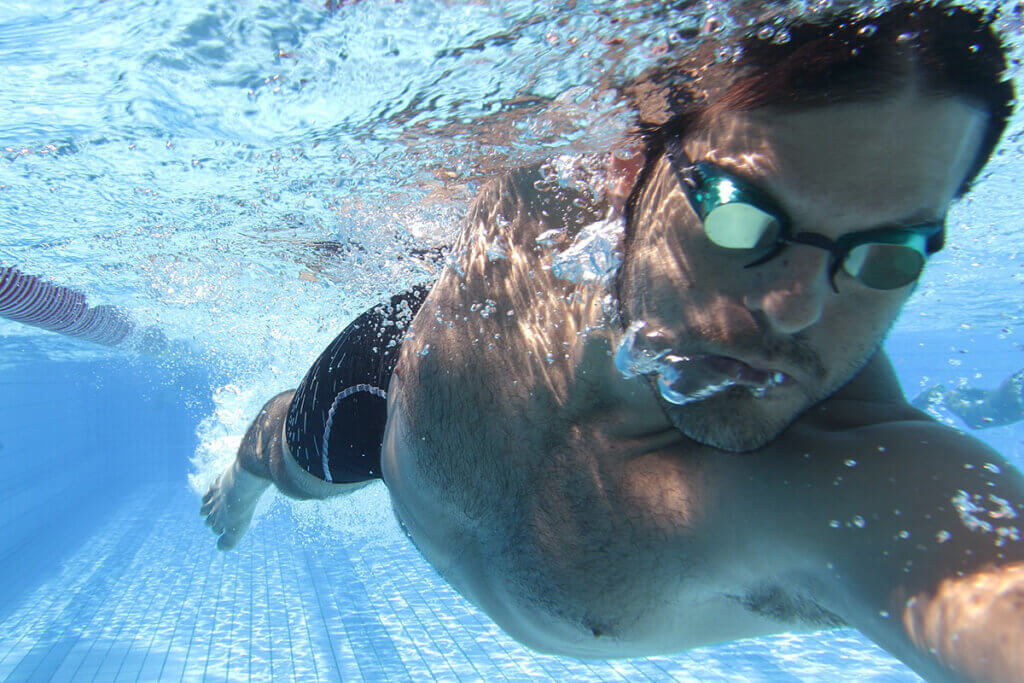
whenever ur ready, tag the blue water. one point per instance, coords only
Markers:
(189, 161)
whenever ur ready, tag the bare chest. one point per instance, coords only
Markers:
(554, 496)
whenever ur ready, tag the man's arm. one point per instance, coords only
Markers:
(264, 453)
(262, 459)
(932, 566)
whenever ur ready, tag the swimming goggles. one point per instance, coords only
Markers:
(736, 215)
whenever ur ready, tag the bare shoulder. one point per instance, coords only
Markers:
(894, 493)
(906, 500)
(497, 308)
(910, 439)
(871, 418)
(488, 358)
(900, 454)
(511, 210)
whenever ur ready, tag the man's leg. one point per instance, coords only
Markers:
(323, 439)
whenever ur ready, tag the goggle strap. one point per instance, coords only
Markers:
(778, 247)
(833, 268)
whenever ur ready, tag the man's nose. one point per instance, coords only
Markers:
(792, 294)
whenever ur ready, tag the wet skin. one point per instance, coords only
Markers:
(589, 518)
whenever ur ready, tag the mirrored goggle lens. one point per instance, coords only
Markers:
(740, 226)
(884, 266)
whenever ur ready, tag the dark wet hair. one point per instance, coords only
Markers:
(849, 57)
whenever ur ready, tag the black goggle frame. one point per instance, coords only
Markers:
(708, 187)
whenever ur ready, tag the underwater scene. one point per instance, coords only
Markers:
(641, 428)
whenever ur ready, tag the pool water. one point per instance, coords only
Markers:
(246, 178)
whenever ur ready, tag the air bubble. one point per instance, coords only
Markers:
(593, 257)
(550, 237)
(639, 351)
(1003, 508)
(712, 24)
(680, 382)
(498, 249)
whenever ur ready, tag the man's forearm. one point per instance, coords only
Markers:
(264, 452)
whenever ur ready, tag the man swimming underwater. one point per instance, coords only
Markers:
(721, 449)
(978, 408)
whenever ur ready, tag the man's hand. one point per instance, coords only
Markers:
(974, 624)
(231, 500)
(229, 504)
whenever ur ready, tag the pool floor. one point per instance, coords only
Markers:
(148, 597)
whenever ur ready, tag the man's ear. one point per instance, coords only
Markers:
(626, 162)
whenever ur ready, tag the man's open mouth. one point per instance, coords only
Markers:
(739, 372)
(684, 378)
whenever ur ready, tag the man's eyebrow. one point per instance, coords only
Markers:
(921, 218)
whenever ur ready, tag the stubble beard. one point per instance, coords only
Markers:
(736, 421)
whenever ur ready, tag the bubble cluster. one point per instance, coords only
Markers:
(681, 378)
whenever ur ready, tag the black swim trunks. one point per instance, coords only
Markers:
(335, 425)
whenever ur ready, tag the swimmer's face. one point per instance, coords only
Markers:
(834, 170)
